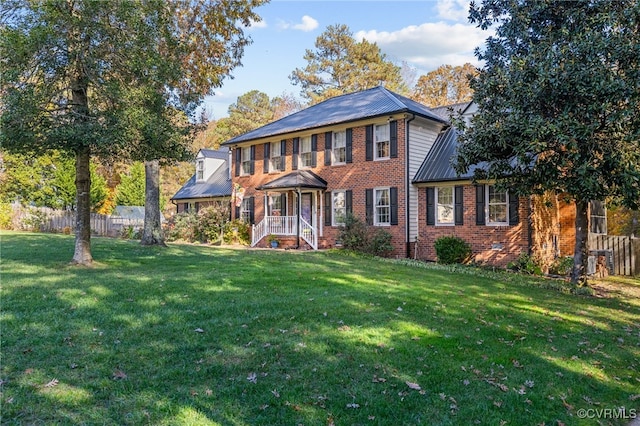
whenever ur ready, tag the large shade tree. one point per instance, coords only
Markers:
(558, 101)
(341, 64)
(68, 65)
(446, 85)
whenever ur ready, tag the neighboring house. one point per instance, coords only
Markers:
(210, 184)
(357, 153)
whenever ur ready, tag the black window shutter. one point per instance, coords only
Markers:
(237, 214)
(252, 165)
(480, 205)
(368, 140)
(514, 203)
(314, 149)
(296, 148)
(267, 148)
(431, 207)
(283, 153)
(369, 205)
(349, 146)
(393, 195)
(458, 210)
(283, 204)
(327, 148)
(327, 208)
(252, 217)
(238, 160)
(393, 139)
(348, 195)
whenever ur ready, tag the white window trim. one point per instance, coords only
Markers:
(333, 207)
(375, 206)
(244, 160)
(276, 198)
(310, 152)
(200, 170)
(272, 168)
(453, 206)
(334, 149)
(375, 142)
(486, 208)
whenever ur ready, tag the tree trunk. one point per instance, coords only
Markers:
(152, 233)
(580, 253)
(82, 254)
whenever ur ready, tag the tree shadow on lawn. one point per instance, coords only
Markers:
(244, 343)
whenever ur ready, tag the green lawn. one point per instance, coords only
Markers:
(194, 335)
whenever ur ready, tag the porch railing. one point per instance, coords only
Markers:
(284, 225)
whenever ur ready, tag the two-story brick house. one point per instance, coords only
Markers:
(297, 177)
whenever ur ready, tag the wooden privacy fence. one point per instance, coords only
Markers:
(624, 252)
(64, 221)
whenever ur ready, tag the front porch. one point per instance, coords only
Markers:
(287, 226)
(299, 193)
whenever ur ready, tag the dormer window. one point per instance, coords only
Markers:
(200, 170)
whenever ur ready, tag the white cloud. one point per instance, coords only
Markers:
(307, 24)
(257, 24)
(429, 45)
(453, 10)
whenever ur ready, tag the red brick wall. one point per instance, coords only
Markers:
(514, 239)
(356, 176)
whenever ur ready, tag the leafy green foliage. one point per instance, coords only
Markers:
(340, 65)
(561, 266)
(237, 231)
(182, 227)
(131, 190)
(6, 216)
(526, 264)
(452, 250)
(206, 226)
(356, 235)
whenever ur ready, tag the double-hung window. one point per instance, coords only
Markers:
(339, 152)
(306, 156)
(200, 170)
(382, 207)
(497, 206)
(246, 210)
(339, 207)
(276, 160)
(381, 141)
(275, 205)
(246, 161)
(444, 205)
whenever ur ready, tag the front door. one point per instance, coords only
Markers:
(307, 207)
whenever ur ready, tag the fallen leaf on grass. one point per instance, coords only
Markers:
(634, 397)
(414, 386)
(52, 383)
(199, 330)
(252, 377)
(119, 375)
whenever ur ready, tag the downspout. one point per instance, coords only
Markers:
(407, 201)
(299, 213)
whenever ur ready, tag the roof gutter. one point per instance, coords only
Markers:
(408, 182)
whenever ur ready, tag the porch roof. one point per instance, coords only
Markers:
(298, 179)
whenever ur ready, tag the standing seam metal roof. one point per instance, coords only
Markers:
(369, 103)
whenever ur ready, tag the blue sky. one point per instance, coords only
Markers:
(425, 34)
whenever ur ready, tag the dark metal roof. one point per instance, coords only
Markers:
(436, 167)
(370, 103)
(297, 179)
(222, 153)
(218, 184)
(447, 111)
